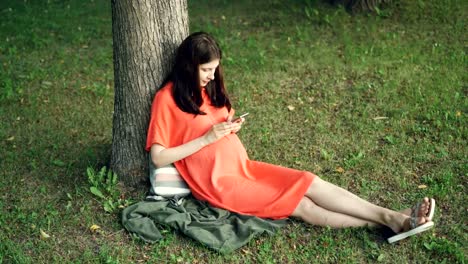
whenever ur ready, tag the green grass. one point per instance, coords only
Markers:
(379, 108)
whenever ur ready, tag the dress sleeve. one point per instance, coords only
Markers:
(161, 121)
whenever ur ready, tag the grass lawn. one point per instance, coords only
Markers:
(376, 104)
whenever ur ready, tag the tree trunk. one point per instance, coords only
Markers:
(146, 34)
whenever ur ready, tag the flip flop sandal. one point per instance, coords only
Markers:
(415, 229)
(430, 215)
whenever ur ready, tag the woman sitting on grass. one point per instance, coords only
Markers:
(192, 126)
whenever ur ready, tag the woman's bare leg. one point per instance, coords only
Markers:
(311, 213)
(336, 199)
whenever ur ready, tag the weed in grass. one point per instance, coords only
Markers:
(11, 253)
(353, 160)
(448, 250)
(104, 186)
(441, 184)
(265, 254)
(326, 155)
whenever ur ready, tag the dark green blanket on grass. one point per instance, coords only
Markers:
(216, 228)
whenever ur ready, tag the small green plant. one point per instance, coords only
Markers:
(353, 159)
(6, 87)
(104, 185)
(326, 155)
(446, 249)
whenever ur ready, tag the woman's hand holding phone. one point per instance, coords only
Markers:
(237, 122)
(220, 130)
(240, 118)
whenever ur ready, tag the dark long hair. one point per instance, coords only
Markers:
(196, 49)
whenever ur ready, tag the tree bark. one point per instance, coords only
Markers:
(146, 34)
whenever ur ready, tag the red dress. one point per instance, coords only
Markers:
(221, 173)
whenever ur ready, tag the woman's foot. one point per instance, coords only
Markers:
(402, 222)
(423, 209)
(412, 227)
(399, 222)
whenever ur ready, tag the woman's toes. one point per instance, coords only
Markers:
(425, 207)
(423, 220)
(423, 210)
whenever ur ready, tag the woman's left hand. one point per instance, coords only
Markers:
(236, 124)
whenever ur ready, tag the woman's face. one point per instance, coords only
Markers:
(206, 72)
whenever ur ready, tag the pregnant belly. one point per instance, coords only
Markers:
(227, 149)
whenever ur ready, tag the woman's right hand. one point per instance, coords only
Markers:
(218, 131)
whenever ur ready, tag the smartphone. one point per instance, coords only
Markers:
(239, 118)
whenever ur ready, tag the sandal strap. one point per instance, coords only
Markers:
(413, 222)
(415, 210)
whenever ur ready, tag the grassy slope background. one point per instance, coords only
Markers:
(374, 103)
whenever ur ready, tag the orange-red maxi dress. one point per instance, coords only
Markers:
(221, 173)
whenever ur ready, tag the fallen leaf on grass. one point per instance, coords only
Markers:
(380, 118)
(246, 251)
(291, 108)
(422, 186)
(381, 258)
(44, 235)
(340, 170)
(94, 228)
(11, 138)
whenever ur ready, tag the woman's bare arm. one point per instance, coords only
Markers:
(162, 156)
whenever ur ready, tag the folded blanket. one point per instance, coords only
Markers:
(216, 228)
